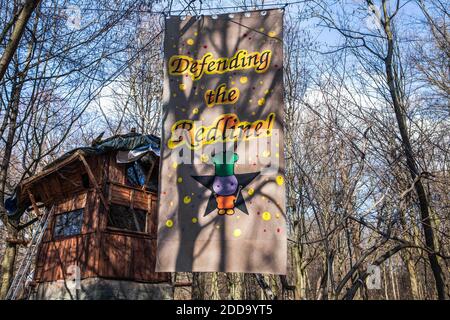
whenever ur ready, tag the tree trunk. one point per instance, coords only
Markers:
(235, 286)
(300, 276)
(385, 278)
(408, 257)
(412, 276)
(392, 277)
(19, 28)
(215, 286)
(9, 258)
(394, 90)
(198, 286)
(8, 262)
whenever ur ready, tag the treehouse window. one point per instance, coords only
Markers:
(68, 223)
(126, 218)
(135, 174)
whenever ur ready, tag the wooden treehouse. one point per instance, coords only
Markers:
(101, 202)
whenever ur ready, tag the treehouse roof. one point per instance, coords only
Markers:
(129, 147)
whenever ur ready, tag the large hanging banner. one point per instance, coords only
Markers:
(222, 192)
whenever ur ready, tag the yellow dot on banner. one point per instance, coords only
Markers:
(180, 179)
(195, 33)
(251, 191)
(232, 82)
(266, 92)
(272, 34)
(237, 233)
(253, 113)
(266, 153)
(204, 158)
(261, 29)
(266, 216)
(195, 111)
(194, 220)
(261, 82)
(190, 41)
(182, 86)
(243, 80)
(261, 101)
(277, 155)
(238, 217)
(187, 199)
(280, 180)
(277, 216)
(169, 223)
(174, 165)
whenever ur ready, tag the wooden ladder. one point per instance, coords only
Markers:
(25, 272)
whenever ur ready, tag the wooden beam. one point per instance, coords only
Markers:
(50, 170)
(33, 203)
(149, 174)
(93, 180)
(27, 224)
(22, 242)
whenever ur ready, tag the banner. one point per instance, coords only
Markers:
(222, 191)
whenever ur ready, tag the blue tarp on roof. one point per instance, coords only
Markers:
(126, 142)
(136, 143)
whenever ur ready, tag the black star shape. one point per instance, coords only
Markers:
(243, 179)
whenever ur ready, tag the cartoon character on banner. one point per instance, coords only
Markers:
(226, 186)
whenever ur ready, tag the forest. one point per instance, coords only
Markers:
(367, 131)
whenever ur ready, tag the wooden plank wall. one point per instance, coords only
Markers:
(55, 255)
(128, 256)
